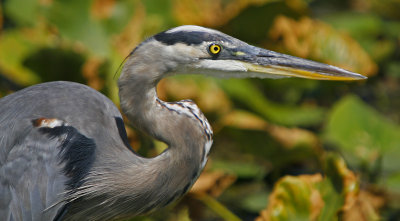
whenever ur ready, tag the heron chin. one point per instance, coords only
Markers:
(64, 153)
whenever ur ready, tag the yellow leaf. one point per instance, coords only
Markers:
(294, 198)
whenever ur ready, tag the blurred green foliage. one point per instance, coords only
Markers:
(289, 149)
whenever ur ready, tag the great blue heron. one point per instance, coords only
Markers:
(64, 153)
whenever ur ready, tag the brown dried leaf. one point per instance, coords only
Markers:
(387, 8)
(178, 89)
(243, 120)
(211, 13)
(90, 71)
(45, 2)
(133, 33)
(134, 141)
(212, 183)
(213, 99)
(300, 6)
(316, 40)
(208, 96)
(358, 205)
(313, 197)
(292, 137)
(350, 184)
(365, 207)
(288, 137)
(102, 9)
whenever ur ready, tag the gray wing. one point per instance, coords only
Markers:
(48, 160)
(31, 178)
(45, 146)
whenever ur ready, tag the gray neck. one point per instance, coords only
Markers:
(173, 123)
(180, 125)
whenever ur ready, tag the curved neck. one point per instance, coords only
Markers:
(139, 185)
(181, 125)
(178, 124)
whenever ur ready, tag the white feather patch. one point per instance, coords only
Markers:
(48, 122)
(191, 28)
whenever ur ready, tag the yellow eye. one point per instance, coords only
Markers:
(214, 49)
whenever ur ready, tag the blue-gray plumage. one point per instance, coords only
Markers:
(64, 154)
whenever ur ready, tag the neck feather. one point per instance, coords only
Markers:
(181, 125)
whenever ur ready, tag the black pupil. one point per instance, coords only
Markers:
(215, 48)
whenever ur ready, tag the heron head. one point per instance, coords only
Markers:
(197, 50)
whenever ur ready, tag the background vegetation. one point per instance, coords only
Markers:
(290, 149)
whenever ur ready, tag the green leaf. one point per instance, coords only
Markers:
(393, 69)
(73, 20)
(365, 28)
(329, 212)
(367, 139)
(313, 197)
(160, 11)
(122, 12)
(23, 12)
(333, 188)
(255, 202)
(393, 183)
(245, 92)
(361, 131)
(217, 207)
(294, 198)
(242, 169)
(14, 47)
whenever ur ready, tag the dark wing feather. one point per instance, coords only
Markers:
(31, 177)
(39, 164)
(41, 169)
